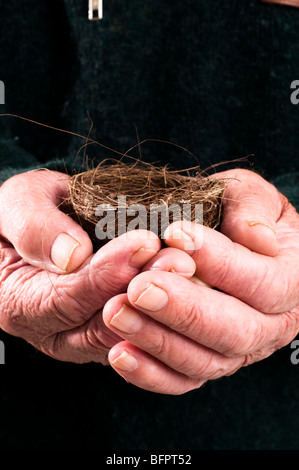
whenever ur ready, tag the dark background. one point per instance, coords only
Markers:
(213, 77)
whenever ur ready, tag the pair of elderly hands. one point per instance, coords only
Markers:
(135, 305)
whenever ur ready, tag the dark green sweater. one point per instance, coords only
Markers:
(211, 76)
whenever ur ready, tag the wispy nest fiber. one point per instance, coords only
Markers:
(141, 184)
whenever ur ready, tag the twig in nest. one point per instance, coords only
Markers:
(124, 192)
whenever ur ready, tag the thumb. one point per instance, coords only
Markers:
(31, 221)
(251, 208)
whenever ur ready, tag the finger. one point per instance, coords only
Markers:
(32, 222)
(90, 342)
(172, 260)
(108, 272)
(251, 208)
(208, 317)
(146, 372)
(168, 346)
(49, 303)
(260, 281)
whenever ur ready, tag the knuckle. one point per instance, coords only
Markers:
(256, 356)
(212, 368)
(110, 280)
(188, 320)
(245, 172)
(197, 371)
(13, 322)
(270, 292)
(257, 289)
(265, 344)
(251, 177)
(16, 185)
(96, 335)
(289, 328)
(246, 342)
(67, 309)
(12, 316)
(51, 346)
(10, 183)
(93, 342)
(158, 382)
(222, 270)
(22, 229)
(158, 346)
(78, 349)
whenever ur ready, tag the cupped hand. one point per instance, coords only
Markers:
(53, 287)
(178, 334)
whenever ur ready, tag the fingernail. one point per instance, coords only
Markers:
(125, 362)
(198, 281)
(261, 240)
(127, 320)
(181, 273)
(153, 298)
(253, 223)
(142, 256)
(62, 250)
(182, 240)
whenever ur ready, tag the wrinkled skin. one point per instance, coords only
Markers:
(187, 333)
(57, 311)
(178, 338)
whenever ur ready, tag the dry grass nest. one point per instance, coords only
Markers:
(144, 184)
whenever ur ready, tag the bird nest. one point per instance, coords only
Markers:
(111, 199)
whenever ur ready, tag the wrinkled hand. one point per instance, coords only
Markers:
(178, 334)
(52, 287)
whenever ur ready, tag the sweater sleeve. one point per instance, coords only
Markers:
(14, 160)
(288, 184)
